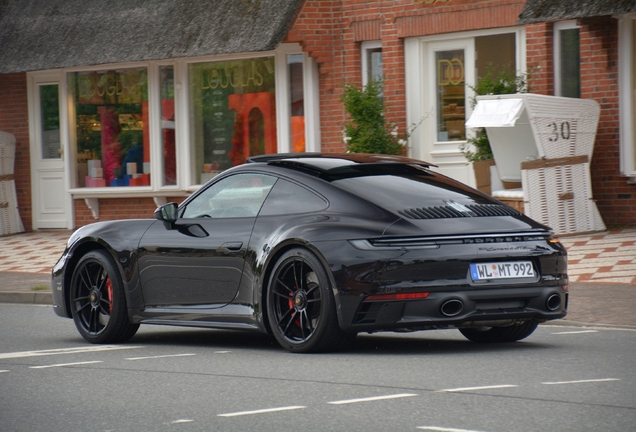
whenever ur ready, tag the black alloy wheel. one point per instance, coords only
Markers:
(98, 302)
(506, 334)
(300, 305)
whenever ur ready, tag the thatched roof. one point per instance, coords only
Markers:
(46, 34)
(553, 10)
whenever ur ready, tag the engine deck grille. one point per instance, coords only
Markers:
(445, 212)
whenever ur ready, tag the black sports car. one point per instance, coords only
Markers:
(314, 248)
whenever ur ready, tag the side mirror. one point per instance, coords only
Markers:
(168, 214)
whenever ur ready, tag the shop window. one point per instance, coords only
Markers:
(124, 122)
(232, 113)
(567, 59)
(451, 95)
(297, 102)
(110, 116)
(168, 137)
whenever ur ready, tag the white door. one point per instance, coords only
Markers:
(446, 69)
(52, 204)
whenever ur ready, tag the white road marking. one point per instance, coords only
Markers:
(77, 350)
(576, 332)
(581, 381)
(3, 371)
(65, 364)
(461, 389)
(374, 398)
(442, 429)
(160, 356)
(261, 411)
(181, 421)
(597, 327)
(222, 352)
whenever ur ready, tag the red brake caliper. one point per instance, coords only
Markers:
(109, 288)
(290, 302)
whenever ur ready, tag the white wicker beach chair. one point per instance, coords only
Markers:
(10, 222)
(546, 142)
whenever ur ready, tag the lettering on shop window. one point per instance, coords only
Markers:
(110, 85)
(450, 72)
(237, 76)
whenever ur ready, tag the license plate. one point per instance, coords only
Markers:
(502, 270)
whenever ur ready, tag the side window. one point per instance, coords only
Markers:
(240, 195)
(371, 61)
(567, 59)
(289, 198)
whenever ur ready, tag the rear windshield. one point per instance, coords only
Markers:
(409, 190)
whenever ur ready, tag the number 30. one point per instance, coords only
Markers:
(559, 131)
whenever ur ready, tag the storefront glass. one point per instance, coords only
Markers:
(168, 138)
(297, 102)
(451, 95)
(232, 111)
(112, 141)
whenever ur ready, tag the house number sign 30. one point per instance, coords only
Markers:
(559, 130)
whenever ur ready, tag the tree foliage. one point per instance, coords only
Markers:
(367, 130)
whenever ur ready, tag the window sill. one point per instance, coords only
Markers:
(91, 196)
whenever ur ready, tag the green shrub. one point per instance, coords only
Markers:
(367, 130)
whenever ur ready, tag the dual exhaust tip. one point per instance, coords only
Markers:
(454, 307)
(553, 302)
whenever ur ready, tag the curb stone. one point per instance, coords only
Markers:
(33, 297)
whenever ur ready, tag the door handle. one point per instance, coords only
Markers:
(231, 247)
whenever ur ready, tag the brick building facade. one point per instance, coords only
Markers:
(331, 35)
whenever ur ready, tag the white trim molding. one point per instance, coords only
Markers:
(627, 95)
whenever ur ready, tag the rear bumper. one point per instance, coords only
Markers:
(463, 309)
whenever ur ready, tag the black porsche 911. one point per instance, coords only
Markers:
(315, 248)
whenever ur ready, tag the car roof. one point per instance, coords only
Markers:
(333, 166)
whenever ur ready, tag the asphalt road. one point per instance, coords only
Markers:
(173, 379)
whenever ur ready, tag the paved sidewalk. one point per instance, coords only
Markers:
(602, 269)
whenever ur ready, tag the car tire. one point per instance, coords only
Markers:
(500, 334)
(98, 301)
(300, 305)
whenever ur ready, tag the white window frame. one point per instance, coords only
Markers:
(182, 134)
(627, 95)
(310, 94)
(558, 26)
(416, 68)
(365, 48)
